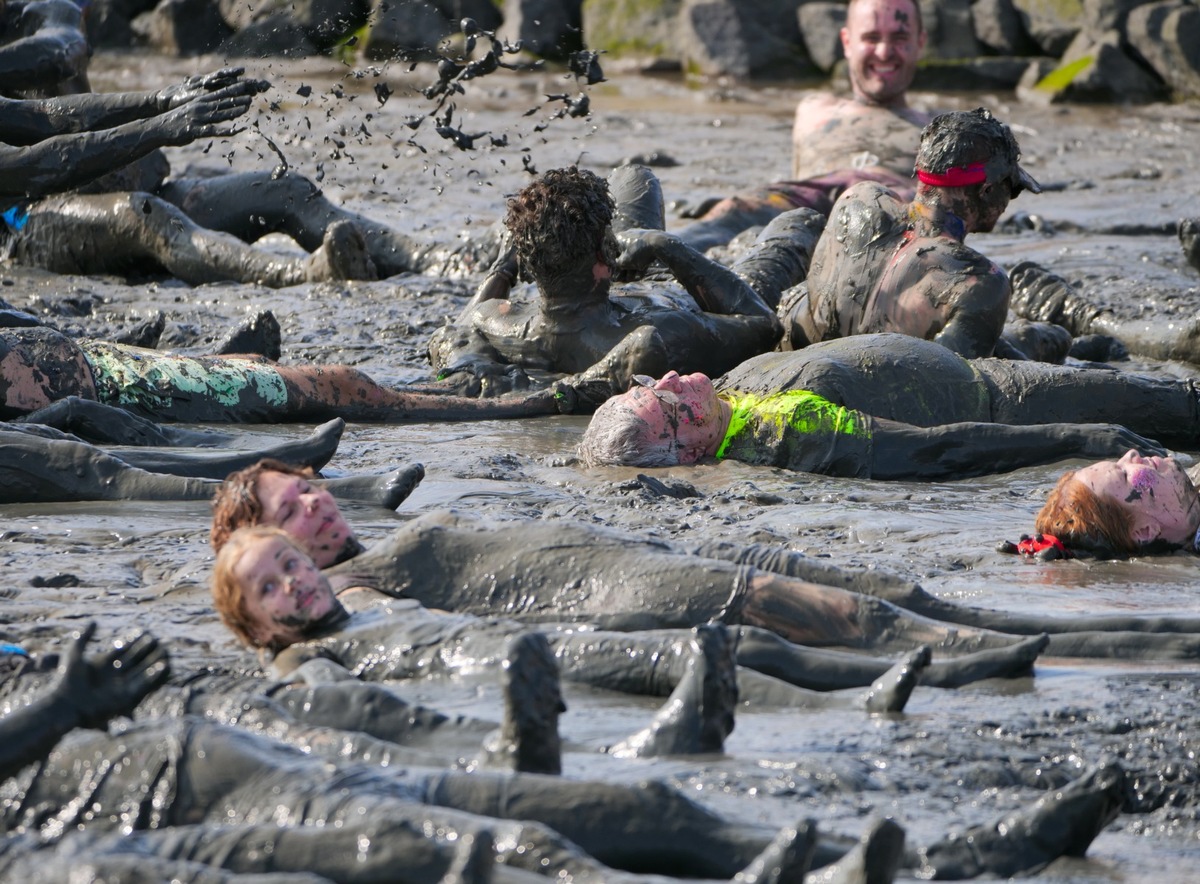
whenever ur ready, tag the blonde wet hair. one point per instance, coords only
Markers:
(229, 597)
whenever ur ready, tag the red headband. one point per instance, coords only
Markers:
(958, 176)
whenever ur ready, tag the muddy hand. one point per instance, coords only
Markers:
(193, 87)
(1112, 440)
(114, 683)
(202, 116)
(639, 249)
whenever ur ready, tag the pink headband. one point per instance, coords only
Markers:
(958, 176)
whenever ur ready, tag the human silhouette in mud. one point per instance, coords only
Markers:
(838, 142)
(568, 236)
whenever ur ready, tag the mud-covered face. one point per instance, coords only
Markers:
(682, 413)
(1155, 491)
(882, 40)
(284, 593)
(308, 514)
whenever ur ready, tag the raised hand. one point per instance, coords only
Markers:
(114, 683)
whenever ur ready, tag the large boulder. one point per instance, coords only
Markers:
(821, 26)
(1167, 36)
(182, 27)
(1109, 15)
(950, 31)
(1095, 70)
(411, 29)
(486, 13)
(742, 38)
(998, 26)
(275, 35)
(632, 27)
(324, 22)
(990, 72)
(549, 28)
(1052, 24)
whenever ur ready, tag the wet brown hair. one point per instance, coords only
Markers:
(559, 220)
(229, 599)
(1081, 519)
(236, 503)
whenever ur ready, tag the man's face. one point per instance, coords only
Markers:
(307, 513)
(284, 593)
(1157, 493)
(882, 42)
(682, 412)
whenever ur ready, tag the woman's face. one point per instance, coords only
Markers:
(1156, 491)
(284, 594)
(682, 412)
(308, 513)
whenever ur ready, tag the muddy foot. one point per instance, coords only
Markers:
(1064, 823)
(343, 255)
(260, 336)
(786, 858)
(1015, 661)
(388, 491)
(528, 740)
(699, 714)
(145, 333)
(874, 860)
(890, 692)
(1189, 238)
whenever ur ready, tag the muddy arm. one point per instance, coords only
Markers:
(902, 451)
(716, 288)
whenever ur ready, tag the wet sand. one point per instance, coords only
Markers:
(954, 759)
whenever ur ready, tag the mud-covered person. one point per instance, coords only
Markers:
(884, 265)
(43, 50)
(572, 234)
(838, 142)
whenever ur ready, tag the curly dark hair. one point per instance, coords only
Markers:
(559, 219)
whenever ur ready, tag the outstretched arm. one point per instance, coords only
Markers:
(958, 451)
(66, 161)
(716, 288)
(23, 123)
(87, 693)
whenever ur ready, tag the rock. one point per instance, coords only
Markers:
(1095, 70)
(1109, 15)
(951, 33)
(407, 29)
(1052, 24)
(486, 13)
(1167, 36)
(742, 39)
(986, 73)
(182, 27)
(632, 27)
(998, 26)
(820, 27)
(545, 27)
(276, 35)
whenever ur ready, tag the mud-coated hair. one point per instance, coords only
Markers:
(619, 436)
(1082, 519)
(229, 596)
(965, 137)
(558, 221)
(236, 503)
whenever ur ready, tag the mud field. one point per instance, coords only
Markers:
(954, 758)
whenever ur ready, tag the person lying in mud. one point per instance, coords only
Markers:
(766, 413)
(571, 239)
(886, 265)
(1130, 506)
(43, 50)
(39, 366)
(1042, 296)
(554, 572)
(272, 596)
(149, 210)
(240, 792)
(536, 572)
(838, 142)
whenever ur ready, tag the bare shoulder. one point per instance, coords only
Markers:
(816, 109)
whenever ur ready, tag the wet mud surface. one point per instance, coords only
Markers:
(953, 759)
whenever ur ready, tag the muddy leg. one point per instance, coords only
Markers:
(638, 197)
(1063, 823)
(260, 336)
(1189, 238)
(729, 217)
(890, 692)
(528, 740)
(698, 715)
(107, 424)
(780, 257)
(787, 858)
(874, 860)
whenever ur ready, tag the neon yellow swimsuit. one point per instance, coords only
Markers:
(798, 430)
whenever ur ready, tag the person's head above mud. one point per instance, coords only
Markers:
(269, 592)
(972, 149)
(277, 495)
(882, 41)
(560, 225)
(1134, 504)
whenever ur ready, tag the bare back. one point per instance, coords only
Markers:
(833, 134)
